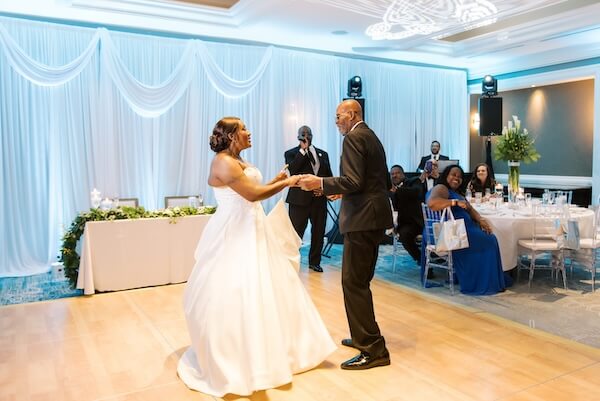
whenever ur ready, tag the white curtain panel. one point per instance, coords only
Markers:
(130, 114)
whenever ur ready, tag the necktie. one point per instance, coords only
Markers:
(313, 162)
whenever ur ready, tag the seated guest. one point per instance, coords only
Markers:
(482, 179)
(478, 267)
(435, 155)
(406, 195)
(428, 178)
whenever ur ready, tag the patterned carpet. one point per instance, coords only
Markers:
(572, 313)
(40, 287)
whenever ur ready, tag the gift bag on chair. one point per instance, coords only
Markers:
(452, 233)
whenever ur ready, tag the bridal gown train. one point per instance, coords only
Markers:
(251, 322)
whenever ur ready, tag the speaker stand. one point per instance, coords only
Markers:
(488, 155)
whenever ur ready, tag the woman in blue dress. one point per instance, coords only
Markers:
(478, 267)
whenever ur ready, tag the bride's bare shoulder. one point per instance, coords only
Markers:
(222, 169)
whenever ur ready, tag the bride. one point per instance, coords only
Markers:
(251, 322)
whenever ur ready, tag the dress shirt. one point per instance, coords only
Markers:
(430, 183)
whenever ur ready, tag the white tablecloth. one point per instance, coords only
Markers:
(124, 254)
(510, 225)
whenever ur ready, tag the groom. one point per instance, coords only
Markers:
(364, 215)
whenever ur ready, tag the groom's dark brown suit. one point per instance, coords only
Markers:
(364, 215)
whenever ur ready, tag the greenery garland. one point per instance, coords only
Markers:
(68, 252)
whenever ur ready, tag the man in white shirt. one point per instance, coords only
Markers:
(435, 155)
(429, 176)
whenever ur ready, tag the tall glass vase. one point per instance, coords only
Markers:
(513, 179)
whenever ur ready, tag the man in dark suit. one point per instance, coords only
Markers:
(428, 178)
(305, 206)
(364, 215)
(406, 195)
(435, 155)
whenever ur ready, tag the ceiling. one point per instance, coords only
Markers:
(482, 36)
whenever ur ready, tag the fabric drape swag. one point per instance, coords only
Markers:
(130, 114)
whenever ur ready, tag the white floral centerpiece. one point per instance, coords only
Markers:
(515, 146)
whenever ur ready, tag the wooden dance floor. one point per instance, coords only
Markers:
(125, 346)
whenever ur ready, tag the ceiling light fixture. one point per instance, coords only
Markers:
(406, 18)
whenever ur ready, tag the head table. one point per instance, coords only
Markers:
(125, 254)
(510, 223)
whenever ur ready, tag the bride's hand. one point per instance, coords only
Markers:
(282, 175)
(293, 180)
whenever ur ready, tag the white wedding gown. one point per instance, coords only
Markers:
(251, 322)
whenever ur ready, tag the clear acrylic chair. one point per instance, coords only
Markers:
(587, 254)
(542, 250)
(564, 197)
(442, 260)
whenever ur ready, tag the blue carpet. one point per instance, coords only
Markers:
(40, 287)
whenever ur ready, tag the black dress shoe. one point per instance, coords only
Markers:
(364, 361)
(348, 342)
(316, 268)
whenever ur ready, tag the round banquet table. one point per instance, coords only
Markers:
(511, 224)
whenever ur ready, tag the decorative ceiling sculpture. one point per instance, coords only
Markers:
(435, 19)
(405, 18)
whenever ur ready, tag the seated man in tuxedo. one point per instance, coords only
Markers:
(435, 155)
(303, 205)
(407, 195)
(428, 178)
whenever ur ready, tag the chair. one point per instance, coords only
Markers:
(128, 202)
(542, 244)
(586, 255)
(179, 201)
(442, 260)
(557, 195)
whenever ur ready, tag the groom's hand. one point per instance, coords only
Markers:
(310, 182)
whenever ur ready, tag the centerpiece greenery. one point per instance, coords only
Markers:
(515, 146)
(68, 251)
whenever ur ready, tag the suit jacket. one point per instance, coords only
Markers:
(407, 201)
(300, 164)
(425, 158)
(423, 187)
(363, 182)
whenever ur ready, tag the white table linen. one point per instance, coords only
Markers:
(510, 225)
(125, 254)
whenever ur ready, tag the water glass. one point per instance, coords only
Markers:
(528, 199)
(478, 196)
(200, 200)
(488, 194)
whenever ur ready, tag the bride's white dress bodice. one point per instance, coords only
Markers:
(228, 199)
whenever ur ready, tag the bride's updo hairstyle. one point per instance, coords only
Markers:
(220, 140)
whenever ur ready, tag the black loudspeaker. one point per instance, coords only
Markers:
(490, 116)
(361, 101)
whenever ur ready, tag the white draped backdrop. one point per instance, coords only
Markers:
(130, 114)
